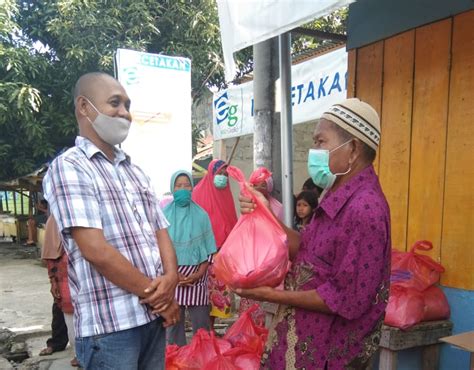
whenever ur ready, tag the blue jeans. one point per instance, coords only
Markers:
(140, 348)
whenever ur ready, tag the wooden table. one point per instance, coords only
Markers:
(425, 335)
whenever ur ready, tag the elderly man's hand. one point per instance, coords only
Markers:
(264, 293)
(247, 205)
(161, 291)
(171, 315)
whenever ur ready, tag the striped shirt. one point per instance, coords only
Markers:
(196, 294)
(85, 189)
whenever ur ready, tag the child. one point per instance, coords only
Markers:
(306, 203)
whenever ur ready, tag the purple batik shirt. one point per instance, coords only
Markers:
(345, 256)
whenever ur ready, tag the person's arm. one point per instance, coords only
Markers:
(193, 278)
(306, 299)
(162, 288)
(248, 206)
(52, 268)
(109, 262)
(294, 239)
(41, 207)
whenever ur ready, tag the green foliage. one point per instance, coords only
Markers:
(46, 45)
(25, 130)
(336, 22)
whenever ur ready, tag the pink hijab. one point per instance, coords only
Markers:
(262, 174)
(218, 203)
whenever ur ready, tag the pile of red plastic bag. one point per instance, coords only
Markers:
(414, 295)
(241, 348)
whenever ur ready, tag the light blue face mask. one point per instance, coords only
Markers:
(182, 197)
(220, 181)
(318, 167)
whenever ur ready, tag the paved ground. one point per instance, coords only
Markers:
(25, 305)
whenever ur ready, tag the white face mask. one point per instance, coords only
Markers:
(113, 130)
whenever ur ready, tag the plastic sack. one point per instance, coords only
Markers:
(203, 348)
(247, 361)
(405, 307)
(255, 252)
(170, 356)
(413, 270)
(436, 304)
(221, 362)
(246, 335)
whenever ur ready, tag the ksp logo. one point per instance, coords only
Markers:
(224, 111)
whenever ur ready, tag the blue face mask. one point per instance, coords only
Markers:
(220, 181)
(182, 197)
(318, 167)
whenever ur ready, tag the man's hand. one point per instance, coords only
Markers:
(264, 293)
(55, 292)
(171, 315)
(247, 205)
(161, 292)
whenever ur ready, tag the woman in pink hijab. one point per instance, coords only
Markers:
(214, 196)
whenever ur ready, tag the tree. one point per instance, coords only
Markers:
(25, 136)
(47, 45)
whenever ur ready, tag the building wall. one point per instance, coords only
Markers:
(422, 84)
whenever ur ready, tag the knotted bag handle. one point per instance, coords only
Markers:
(425, 245)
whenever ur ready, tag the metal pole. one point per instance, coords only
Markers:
(264, 58)
(286, 127)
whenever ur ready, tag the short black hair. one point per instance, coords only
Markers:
(311, 186)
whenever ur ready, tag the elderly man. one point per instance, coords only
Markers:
(335, 294)
(122, 265)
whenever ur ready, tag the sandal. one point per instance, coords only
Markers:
(46, 351)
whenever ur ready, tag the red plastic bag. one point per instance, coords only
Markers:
(246, 335)
(220, 362)
(436, 304)
(405, 307)
(255, 252)
(170, 356)
(247, 361)
(413, 270)
(201, 350)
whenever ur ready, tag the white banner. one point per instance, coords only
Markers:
(316, 85)
(159, 87)
(248, 22)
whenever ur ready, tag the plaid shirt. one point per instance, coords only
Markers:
(85, 189)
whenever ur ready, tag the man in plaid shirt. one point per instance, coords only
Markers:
(122, 265)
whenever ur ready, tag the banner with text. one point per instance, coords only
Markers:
(316, 85)
(159, 87)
